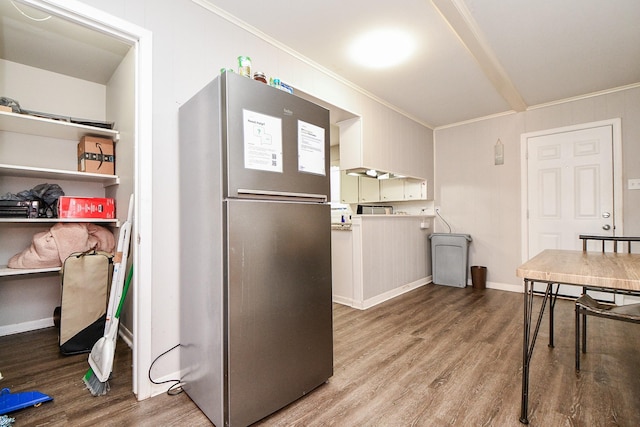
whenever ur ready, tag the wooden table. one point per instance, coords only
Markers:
(596, 270)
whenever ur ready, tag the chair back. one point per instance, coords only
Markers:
(603, 239)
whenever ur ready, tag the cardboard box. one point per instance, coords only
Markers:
(86, 207)
(96, 155)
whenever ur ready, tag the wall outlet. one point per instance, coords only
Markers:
(437, 208)
(633, 184)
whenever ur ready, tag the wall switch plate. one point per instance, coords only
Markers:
(634, 184)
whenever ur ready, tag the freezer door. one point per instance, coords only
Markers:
(274, 142)
(279, 330)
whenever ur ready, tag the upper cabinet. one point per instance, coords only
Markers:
(351, 144)
(391, 190)
(368, 190)
(393, 143)
(349, 192)
(415, 189)
(394, 190)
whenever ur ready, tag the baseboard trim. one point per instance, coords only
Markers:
(378, 299)
(157, 389)
(126, 335)
(505, 287)
(343, 300)
(32, 325)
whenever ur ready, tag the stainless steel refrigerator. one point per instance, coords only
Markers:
(255, 249)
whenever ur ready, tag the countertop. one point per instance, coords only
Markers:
(393, 216)
(347, 226)
(341, 226)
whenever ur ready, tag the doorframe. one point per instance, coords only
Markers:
(616, 128)
(140, 39)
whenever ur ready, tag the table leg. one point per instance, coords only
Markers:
(552, 306)
(529, 341)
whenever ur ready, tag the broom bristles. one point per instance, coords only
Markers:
(95, 386)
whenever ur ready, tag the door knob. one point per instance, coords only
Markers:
(606, 227)
(606, 214)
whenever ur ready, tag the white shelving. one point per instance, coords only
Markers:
(6, 271)
(45, 173)
(111, 222)
(32, 125)
(50, 128)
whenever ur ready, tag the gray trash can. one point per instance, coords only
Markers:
(450, 258)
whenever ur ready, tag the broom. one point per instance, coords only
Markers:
(101, 356)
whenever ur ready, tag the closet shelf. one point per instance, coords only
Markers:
(31, 125)
(8, 272)
(110, 222)
(45, 173)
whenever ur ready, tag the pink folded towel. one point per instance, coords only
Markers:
(51, 248)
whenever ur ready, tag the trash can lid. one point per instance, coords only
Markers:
(464, 236)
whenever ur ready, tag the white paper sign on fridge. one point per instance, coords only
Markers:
(311, 148)
(262, 141)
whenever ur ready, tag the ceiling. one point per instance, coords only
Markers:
(28, 36)
(474, 58)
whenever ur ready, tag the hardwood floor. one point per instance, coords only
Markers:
(435, 356)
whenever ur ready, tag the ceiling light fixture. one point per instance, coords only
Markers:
(382, 48)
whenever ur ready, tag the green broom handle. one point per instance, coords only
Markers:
(124, 291)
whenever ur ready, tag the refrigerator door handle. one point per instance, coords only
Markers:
(280, 195)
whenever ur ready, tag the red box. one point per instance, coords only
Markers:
(86, 207)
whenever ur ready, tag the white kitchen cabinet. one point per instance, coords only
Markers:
(415, 189)
(348, 188)
(390, 143)
(391, 190)
(368, 190)
(350, 143)
(402, 189)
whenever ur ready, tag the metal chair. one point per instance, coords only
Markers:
(615, 239)
(587, 306)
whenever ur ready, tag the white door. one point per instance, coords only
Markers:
(570, 189)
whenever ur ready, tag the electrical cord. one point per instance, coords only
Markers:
(443, 220)
(176, 387)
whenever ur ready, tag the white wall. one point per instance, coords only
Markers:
(190, 45)
(482, 199)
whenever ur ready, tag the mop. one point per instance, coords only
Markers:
(103, 351)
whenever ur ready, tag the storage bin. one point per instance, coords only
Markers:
(450, 258)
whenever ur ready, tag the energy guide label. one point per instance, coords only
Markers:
(311, 148)
(262, 141)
